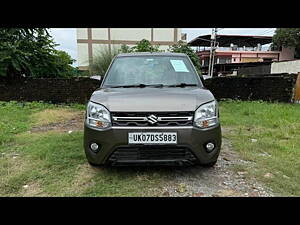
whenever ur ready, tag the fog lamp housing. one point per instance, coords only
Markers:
(210, 146)
(94, 147)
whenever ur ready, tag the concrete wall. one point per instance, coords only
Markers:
(286, 67)
(266, 88)
(255, 70)
(82, 58)
(79, 90)
(287, 54)
(132, 34)
(82, 33)
(54, 90)
(92, 40)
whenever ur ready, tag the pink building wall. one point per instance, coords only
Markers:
(244, 56)
(238, 56)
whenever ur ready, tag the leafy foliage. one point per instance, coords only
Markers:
(31, 52)
(142, 46)
(60, 66)
(181, 47)
(145, 46)
(102, 61)
(287, 37)
(125, 49)
(104, 57)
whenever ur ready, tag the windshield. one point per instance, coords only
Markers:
(151, 70)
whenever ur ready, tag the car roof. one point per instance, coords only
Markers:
(151, 54)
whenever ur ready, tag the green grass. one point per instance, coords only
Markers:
(276, 127)
(53, 163)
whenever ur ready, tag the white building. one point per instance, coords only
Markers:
(92, 40)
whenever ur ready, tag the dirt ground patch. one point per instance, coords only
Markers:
(218, 181)
(65, 121)
(32, 189)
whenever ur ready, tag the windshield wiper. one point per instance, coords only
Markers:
(152, 85)
(137, 85)
(181, 85)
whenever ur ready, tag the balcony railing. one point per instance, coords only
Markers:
(264, 48)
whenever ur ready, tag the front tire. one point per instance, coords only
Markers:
(208, 165)
(93, 164)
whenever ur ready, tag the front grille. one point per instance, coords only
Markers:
(156, 119)
(151, 153)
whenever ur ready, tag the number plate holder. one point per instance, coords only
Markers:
(152, 138)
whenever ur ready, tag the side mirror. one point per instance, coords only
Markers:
(202, 80)
(96, 77)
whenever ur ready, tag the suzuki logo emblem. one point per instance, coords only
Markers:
(152, 119)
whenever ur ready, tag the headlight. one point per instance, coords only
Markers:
(206, 115)
(98, 116)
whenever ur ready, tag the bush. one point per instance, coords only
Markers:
(125, 49)
(142, 46)
(102, 61)
(145, 46)
(104, 57)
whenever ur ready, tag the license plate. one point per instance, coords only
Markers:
(152, 138)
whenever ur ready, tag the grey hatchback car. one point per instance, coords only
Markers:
(152, 109)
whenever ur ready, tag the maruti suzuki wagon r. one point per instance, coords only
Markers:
(152, 109)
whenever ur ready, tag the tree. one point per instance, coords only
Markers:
(31, 52)
(142, 46)
(145, 46)
(60, 66)
(125, 49)
(287, 37)
(181, 47)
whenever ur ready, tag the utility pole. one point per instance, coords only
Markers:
(213, 42)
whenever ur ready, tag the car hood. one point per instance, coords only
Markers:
(152, 99)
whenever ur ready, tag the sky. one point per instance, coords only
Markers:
(66, 37)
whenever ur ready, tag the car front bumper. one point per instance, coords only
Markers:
(116, 138)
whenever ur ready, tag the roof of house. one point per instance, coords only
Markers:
(227, 40)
